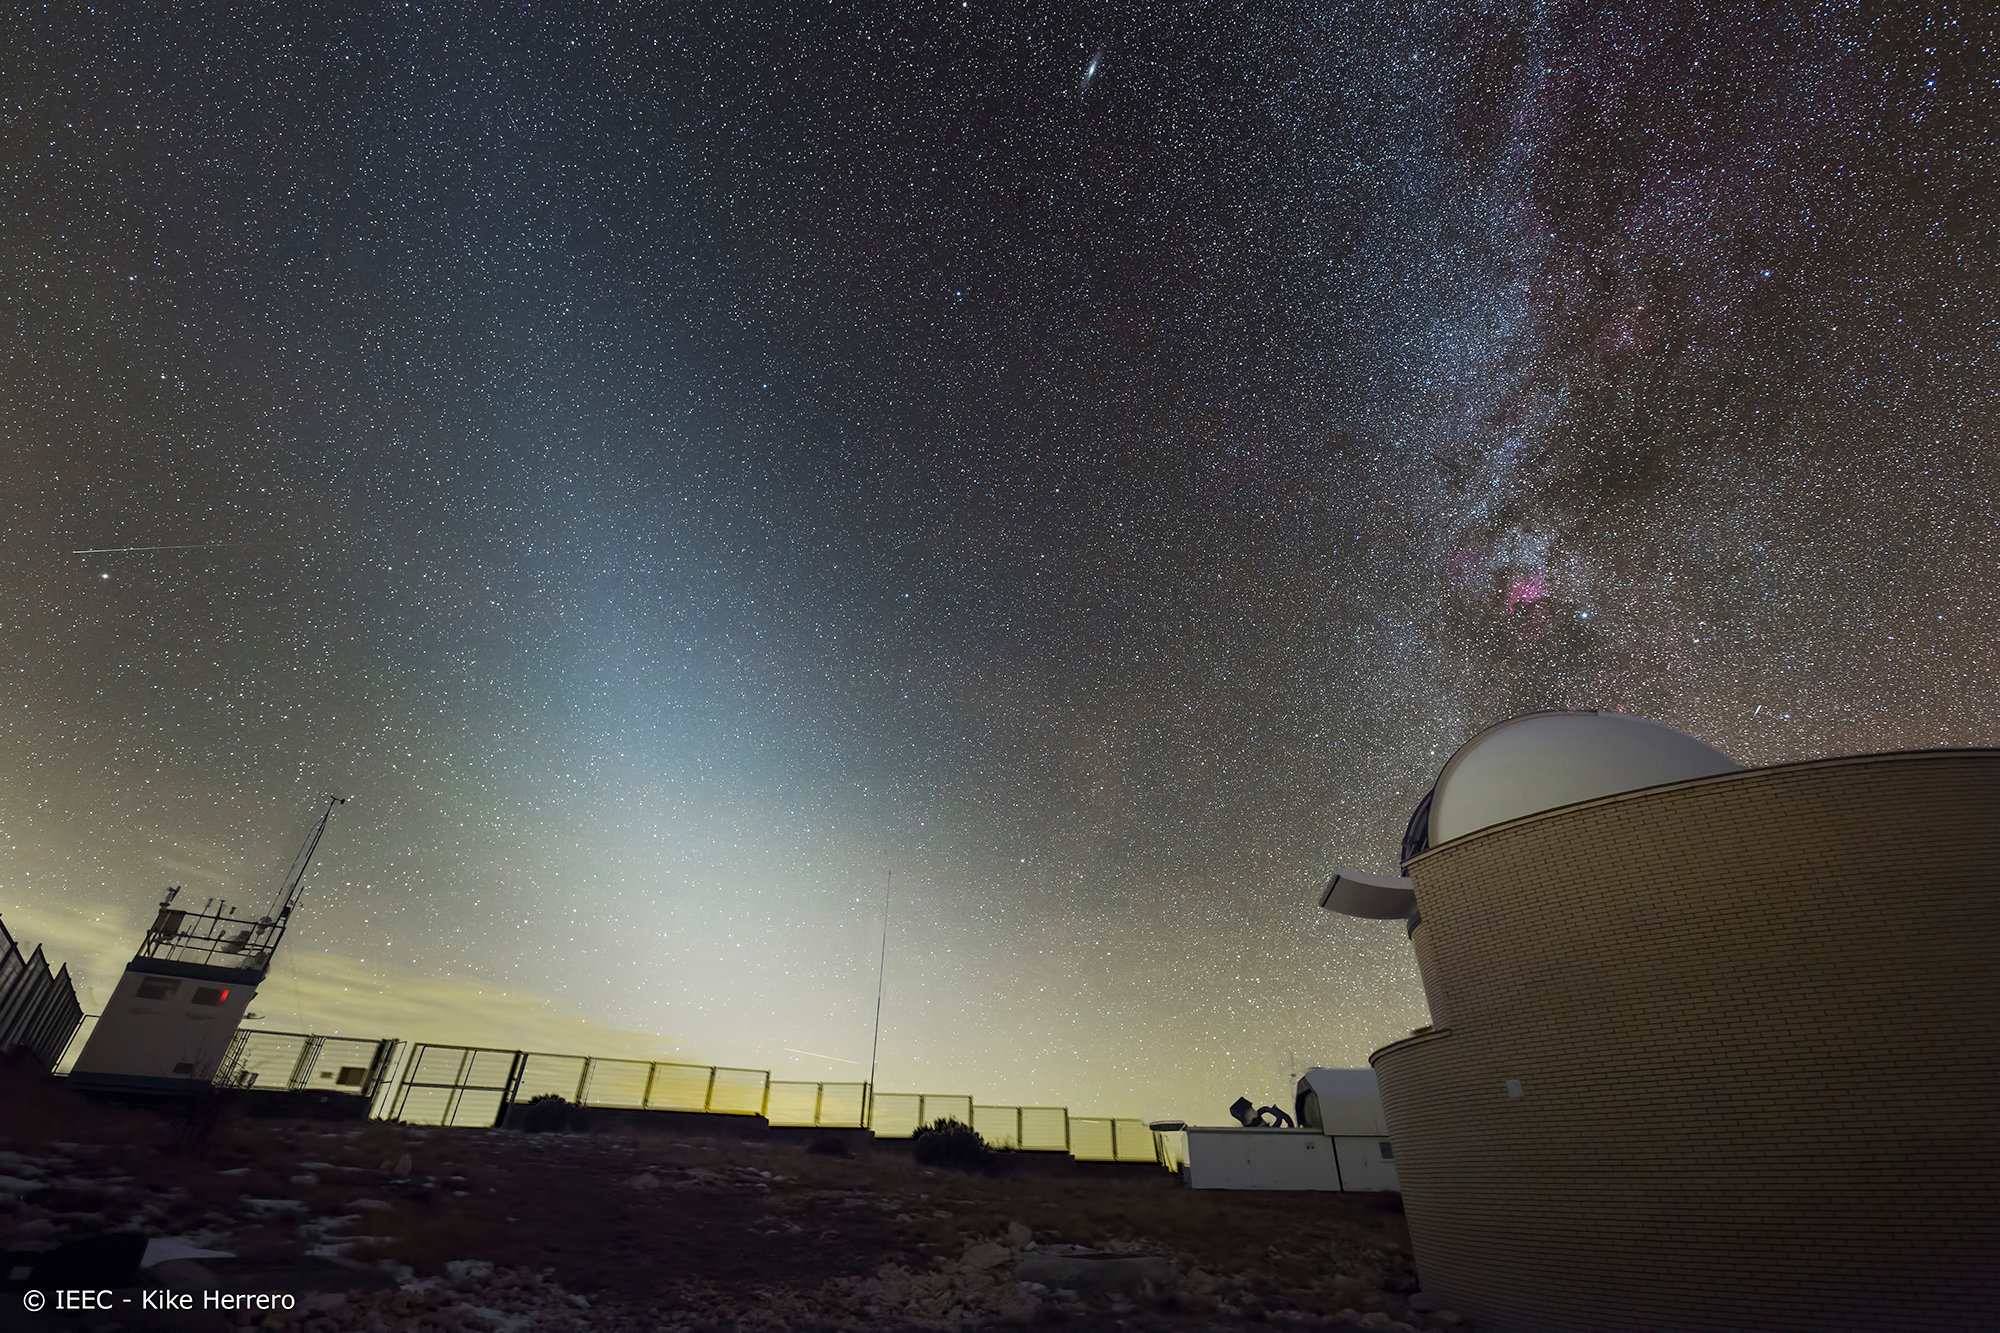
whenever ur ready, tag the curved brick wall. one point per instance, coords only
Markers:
(1756, 1023)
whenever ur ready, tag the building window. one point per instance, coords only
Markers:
(1388, 1151)
(210, 996)
(158, 988)
(352, 1076)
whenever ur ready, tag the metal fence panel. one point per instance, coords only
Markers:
(1092, 1139)
(424, 1105)
(738, 1092)
(22, 997)
(998, 1126)
(454, 1085)
(1044, 1129)
(938, 1108)
(680, 1087)
(551, 1075)
(897, 1114)
(490, 1069)
(477, 1107)
(264, 1059)
(442, 1065)
(343, 1064)
(1133, 1141)
(65, 1016)
(12, 965)
(617, 1083)
(843, 1105)
(793, 1103)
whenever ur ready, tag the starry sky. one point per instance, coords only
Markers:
(672, 465)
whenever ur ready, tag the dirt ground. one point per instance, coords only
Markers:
(630, 1230)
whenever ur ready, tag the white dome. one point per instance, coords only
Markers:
(1545, 760)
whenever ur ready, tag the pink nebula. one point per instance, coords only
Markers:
(1530, 589)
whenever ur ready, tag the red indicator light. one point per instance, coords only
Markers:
(224, 997)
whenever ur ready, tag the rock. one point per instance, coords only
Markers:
(980, 1257)
(1018, 1234)
(1447, 1317)
(403, 1165)
(1376, 1319)
(1422, 1302)
(469, 1270)
(162, 1248)
(307, 1179)
(370, 1205)
(1095, 1271)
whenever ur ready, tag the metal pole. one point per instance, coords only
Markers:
(881, 970)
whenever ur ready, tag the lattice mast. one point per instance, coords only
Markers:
(217, 936)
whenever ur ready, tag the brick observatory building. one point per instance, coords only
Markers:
(1710, 1047)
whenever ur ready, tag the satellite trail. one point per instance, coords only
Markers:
(190, 546)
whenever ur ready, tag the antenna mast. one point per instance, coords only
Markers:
(288, 896)
(881, 971)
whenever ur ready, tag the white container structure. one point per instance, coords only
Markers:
(171, 1016)
(1341, 1143)
(1346, 1106)
(1231, 1157)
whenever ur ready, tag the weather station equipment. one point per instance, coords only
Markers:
(171, 1017)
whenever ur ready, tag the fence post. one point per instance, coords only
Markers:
(379, 1069)
(709, 1096)
(819, 1102)
(302, 1067)
(459, 1087)
(646, 1097)
(583, 1080)
(515, 1069)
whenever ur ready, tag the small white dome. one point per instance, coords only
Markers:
(1544, 760)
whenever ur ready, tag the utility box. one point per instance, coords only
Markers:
(1232, 1157)
(1346, 1106)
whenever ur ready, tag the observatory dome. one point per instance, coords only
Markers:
(1543, 760)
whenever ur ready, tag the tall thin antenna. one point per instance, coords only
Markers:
(881, 971)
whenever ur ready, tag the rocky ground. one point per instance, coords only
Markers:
(510, 1232)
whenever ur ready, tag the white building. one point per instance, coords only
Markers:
(1341, 1142)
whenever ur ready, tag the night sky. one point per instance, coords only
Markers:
(672, 464)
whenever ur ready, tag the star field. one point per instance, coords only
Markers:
(671, 465)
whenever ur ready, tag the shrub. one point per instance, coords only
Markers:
(830, 1145)
(953, 1144)
(550, 1114)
